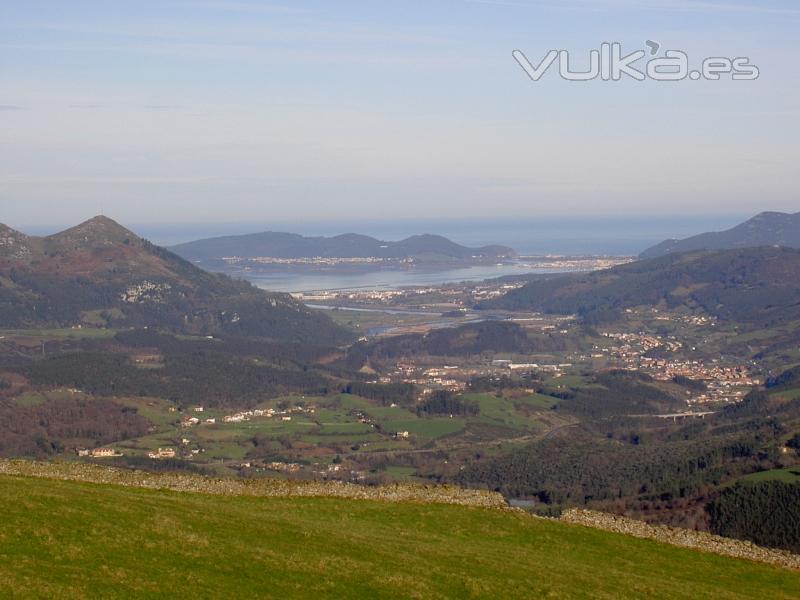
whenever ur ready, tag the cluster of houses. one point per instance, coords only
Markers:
(162, 453)
(334, 470)
(720, 380)
(723, 383)
(555, 370)
(369, 296)
(192, 421)
(99, 452)
(338, 471)
(658, 315)
(447, 377)
(631, 345)
(244, 415)
(285, 415)
(312, 260)
(283, 467)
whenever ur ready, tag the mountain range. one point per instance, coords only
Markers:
(765, 229)
(421, 248)
(101, 274)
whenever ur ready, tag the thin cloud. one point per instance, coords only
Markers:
(255, 33)
(88, 106)
(266, 55)
(123, 180)
(247, 7)
(676, 6)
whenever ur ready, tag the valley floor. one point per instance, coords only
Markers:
(70, 539)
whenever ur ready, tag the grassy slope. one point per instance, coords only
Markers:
(76, 540)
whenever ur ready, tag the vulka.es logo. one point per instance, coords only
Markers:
(609, 64)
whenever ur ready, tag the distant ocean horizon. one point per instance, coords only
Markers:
(571, 236)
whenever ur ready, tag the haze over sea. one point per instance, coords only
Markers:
(571, 235)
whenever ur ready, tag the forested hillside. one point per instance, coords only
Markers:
(678, 474)
(99, 274)
(759, 286)
(466, 340)
(766, 513)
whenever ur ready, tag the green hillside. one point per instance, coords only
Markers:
(77, 540)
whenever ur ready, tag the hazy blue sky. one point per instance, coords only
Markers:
(268, 112)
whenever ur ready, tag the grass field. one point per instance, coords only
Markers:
(790, 475)
(503, 411)
(87, 333)
(427, 428)
(78, 540)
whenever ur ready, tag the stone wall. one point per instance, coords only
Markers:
(696, 540)
(70, 471)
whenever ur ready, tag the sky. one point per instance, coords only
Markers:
(281, 113)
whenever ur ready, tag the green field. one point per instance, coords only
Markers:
(87, 333)
(790, 475)
(30, 399)
(502, 411)
(366, 320)
(427, 428)
(79, 540)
